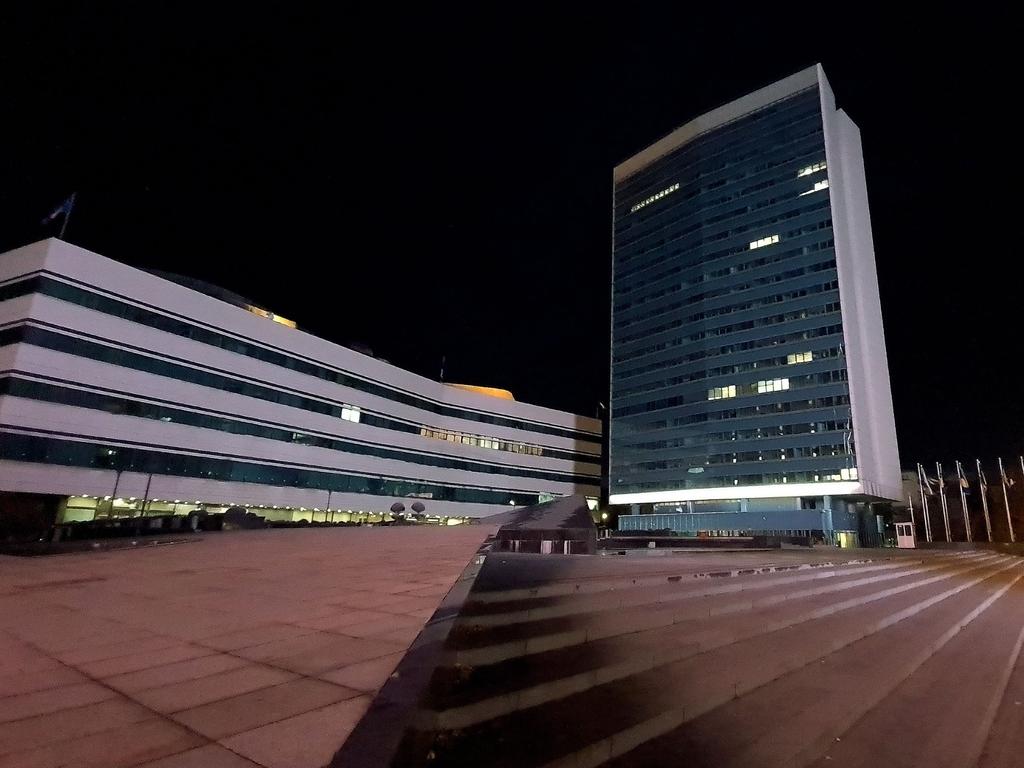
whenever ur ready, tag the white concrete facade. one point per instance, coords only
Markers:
(568, 445)
(874, 425)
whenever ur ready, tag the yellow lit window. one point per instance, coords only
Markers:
(808, 170)
(818, 186)
(653, 198)
(772, 385)
(762, 242)
(720, 393)
(799, 357)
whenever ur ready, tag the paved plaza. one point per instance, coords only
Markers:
(255, 648)
(266, 648)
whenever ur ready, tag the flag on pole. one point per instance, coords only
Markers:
(961, 477)
(981, 476)
(925, 480)
(1007, 481)
(64, 208)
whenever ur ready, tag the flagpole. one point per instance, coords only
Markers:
(67, 215)
(961, 481)
(1006, 499)
(984, 499)
(942, 498)
(913, 523)
(924, 503)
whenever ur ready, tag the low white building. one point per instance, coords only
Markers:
(122, 392)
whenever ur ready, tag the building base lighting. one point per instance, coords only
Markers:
(839, 488)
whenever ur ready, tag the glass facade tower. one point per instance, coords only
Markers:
(746, 331)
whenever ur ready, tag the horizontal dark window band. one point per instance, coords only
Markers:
(53, 337)
(728, 135)
(15, 386)
(68, 289)
(714, 191)
(699, 234)
(52, 448)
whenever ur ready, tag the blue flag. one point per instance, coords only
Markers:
(63, 208)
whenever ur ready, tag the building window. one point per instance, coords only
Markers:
(848, 474)
(808, 170)
(799, 357)
(350, 413)
(482, 442)
(719, 393)
(653, 198)
(772, 385)
(818, 186)
(761, 243)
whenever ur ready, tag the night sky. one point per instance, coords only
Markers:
(439, 183)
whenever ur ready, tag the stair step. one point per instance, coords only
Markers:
(799, 716)
(467, 646)
(517, 611)
(462, 697)
(553, 576)
(609, 719)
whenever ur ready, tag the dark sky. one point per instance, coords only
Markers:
(439, 183)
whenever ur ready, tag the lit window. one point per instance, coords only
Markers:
(350, 413)
(772, 385)
(848, 474)
(718, 393)
(764, 241)
(653, 198)
(810, 169)
(799, 357)
(818, 186)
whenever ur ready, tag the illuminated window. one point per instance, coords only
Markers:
(810, 169)
(818, 186)
(653, 198)
(719, 393)
(848, 474)
(350, 413)
(799, 357)
(764, 241)
(772, 385)
(475, 440)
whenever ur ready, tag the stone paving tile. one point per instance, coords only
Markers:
(290, 646)
(51, 700)
(378, 627)
(132, 662)
(323, 731)
(17, 657)
(342, 650)
(82, 655)
(223, 685)
(367, 676)
(258, 635)
(114, 748)
(343, 617)
(210, 756)
(403, 636)
(251, 710)
(74, 723)
(369, 600)
(39, 679)
(178, 672)
(409, 604)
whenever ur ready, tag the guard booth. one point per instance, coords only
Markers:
(905, 537)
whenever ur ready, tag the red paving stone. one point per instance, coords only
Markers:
(230, 651)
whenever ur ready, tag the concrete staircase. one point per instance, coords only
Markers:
(624, 661)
